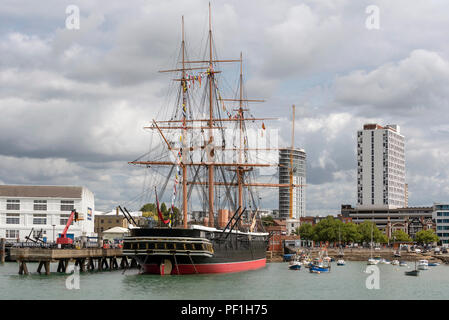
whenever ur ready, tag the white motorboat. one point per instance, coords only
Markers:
(423, 265)
(341, 262)
(395, 262)
(384, 261)
(372, 261)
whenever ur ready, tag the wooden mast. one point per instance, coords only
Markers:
(211, 137)
(208, 124)
(184, 132)
(291, 164)
(239, 169)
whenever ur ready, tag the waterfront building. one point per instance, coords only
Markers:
(291, 225)
(107, 220)
(278, 232)
(441, 215)
(309, 219)
(299, 178)
(45, 210)
(381, 167)
(409, 219)
(115, 233)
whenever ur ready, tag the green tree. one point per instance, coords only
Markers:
(426, 236)
(327, 229)
(382, 238)
(267, 221)
(350, 233)
(305, 231)
(148, 207)
(368, 228)
(401, 236)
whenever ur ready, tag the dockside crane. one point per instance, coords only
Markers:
(63, 240)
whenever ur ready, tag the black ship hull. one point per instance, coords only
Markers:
(196, 250)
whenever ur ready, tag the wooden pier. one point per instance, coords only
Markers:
(87, 259)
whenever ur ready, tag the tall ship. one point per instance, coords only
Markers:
(204, 153)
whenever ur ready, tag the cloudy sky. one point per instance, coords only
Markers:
(73, 102)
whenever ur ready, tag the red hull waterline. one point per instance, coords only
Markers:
(167, 268)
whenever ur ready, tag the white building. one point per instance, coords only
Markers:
(380, 167)
(299, 178)
(292, 225)
(441, 216)
(46, 209)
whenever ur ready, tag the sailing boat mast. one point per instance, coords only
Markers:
(211, 136)
(207, 123)
(184, 131)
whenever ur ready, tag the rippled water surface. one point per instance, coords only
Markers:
(275, 281)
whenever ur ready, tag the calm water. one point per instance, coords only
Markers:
(273, 282)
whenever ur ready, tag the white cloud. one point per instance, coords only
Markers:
(73, 103)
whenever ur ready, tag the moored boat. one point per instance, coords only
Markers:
(295, 265)
(412, 273)
(195, 162)
(196, 250)
(423, 265)
(320, 265)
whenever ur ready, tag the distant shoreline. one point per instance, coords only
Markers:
(363, 254)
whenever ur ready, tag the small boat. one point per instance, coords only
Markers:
(433, 264)
(395, 262)
(320, 265)
(295, 265)
(402, 264)
(318, 268)
(341, 262)
(289, 256)
(384, 261)
(412, 273)
(423, 265)
(372, 261)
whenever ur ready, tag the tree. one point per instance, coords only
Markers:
(350, 233)
(368, 228)
(149, 207)
(150, 210)
(401, 236)
(426, 236)
(267, 221)
(327, 229)
(305, 231)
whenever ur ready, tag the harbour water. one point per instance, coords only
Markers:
(274, 282)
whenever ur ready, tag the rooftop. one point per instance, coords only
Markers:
(21, 191)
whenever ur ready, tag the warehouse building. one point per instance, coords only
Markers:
(45, 210)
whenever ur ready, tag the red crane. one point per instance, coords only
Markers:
(63, 240)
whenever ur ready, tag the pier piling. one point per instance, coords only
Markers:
(23, 269)
(83, 258)
(2, 250)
